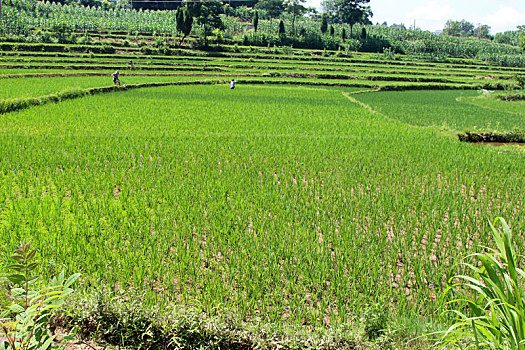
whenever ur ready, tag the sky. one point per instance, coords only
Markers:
(500, 15)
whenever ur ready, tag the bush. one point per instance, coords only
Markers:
(375, 321)
(107, 49)
(148, 50)
(24, 324)
(374, 44)
(520, 79)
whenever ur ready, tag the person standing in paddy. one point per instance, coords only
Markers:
(232, 84)
(116, 78)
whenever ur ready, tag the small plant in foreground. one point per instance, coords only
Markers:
(520, 79)
(495, 317)
(375, 320)
(24, 323)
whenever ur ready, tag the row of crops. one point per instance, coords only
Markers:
(360, 71)
(26, 16)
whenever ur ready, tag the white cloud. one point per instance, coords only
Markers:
(503, 18)
(432, 11)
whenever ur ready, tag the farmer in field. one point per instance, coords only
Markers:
(232, 84)
(116, 78)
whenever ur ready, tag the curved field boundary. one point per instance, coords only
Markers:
(363, 105)
(11, 105)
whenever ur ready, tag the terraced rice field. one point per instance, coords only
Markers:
(456, 110)
(286, 205)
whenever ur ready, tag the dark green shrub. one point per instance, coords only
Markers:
(521, 81)
(375, 320)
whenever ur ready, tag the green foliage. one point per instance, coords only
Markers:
(324, 23)
(375, 320)
(494, 296)
(179, 17)
(208, 15)
(350, 11)
(482, 32)
(389, 54)
(520, 79)
(187, 24)
(25, 16)
(62, 32)
(522, 44)
(296, 9)
(458, 28)
(274, 8)
(282, 31)
(256, 20)
(25, 321)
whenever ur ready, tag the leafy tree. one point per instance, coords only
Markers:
(511, 37)
(324, 23)
(194, 8)
(256, 20)
(274, 8)
(458, 28)
(179, 18)
(522, 40)
(187, 24)
(351, 12)
(90, 3)
(303, 32)
(311, 11)
(482, 32)
(282, 31)
(398, 26)
(296, 9)
(209, 17)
